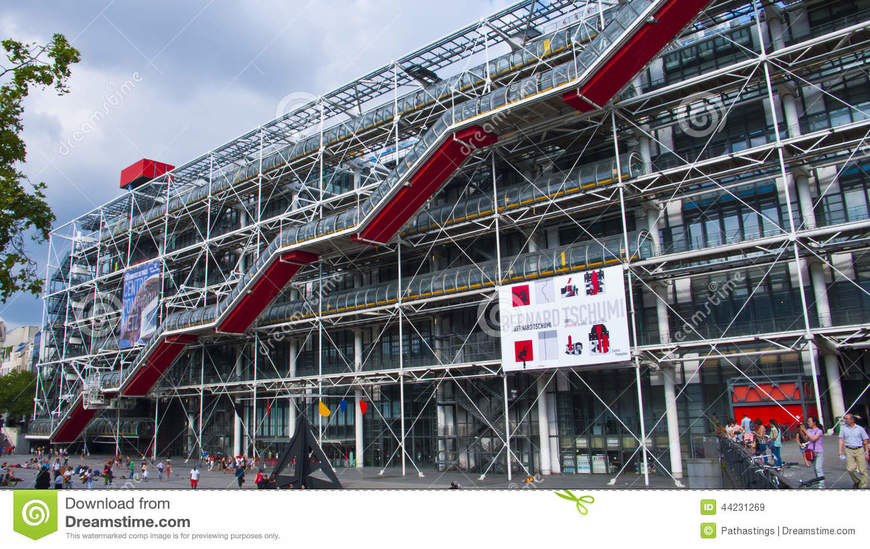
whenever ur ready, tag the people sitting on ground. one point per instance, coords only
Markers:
(260, 480)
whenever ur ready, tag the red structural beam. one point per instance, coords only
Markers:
(635, 54)
(264, 290)
(423, 184)
(153, 365)
(74, 423)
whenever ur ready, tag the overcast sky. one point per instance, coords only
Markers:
(170, 80)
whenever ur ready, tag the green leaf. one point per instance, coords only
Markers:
(23, 210)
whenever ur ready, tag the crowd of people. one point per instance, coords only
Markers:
(757, 438)
(764, 442)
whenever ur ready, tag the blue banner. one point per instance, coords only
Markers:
(141, 304)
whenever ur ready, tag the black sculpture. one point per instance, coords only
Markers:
(307, 457)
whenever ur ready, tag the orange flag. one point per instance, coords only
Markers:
(324, 410)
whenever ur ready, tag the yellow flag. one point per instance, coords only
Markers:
(324, 411)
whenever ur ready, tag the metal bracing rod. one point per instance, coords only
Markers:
(627, 267)
(489, 424)
(714, 347)
(843, 275)
(784, 174)
(506, 446)
(156, 426)
(712, 180)
(399, 293)
(414, 422)
(507, 426)
(201, 397)
(798, 53)
(222, 385)
(641, 441)
(549, 201)
(188, 426)
(319, 348)
(254, 395)
(496, 218)
(836, 179)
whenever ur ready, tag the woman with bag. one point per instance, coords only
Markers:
(776, 443)
(814, 452)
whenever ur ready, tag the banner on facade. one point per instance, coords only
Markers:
(579, 319)
(141, 304)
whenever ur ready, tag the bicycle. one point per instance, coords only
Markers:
(812, 483)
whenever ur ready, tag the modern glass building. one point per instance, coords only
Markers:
(348, 254)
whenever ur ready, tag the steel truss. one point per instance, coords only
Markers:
(538, 144)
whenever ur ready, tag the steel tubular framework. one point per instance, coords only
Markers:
(632, 182)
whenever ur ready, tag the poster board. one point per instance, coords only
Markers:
(572, 320)
(141, 304)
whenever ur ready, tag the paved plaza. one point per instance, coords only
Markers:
(392, 478)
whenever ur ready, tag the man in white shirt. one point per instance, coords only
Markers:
(194, 477)
(854, 446)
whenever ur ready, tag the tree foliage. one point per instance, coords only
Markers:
(17, 390)
(23, 210)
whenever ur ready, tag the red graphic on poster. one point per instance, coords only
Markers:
(520, 296)
(599, 339)
(594, 282)
(523, 351)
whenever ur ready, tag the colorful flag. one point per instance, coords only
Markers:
(324, 410)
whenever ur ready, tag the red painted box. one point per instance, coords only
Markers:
(141, 172)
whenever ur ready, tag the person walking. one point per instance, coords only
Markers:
(240, 474)
(132, 468)
(814, 453)
(194, 477)
(775, 442)
(167, 470)
(855, 449)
